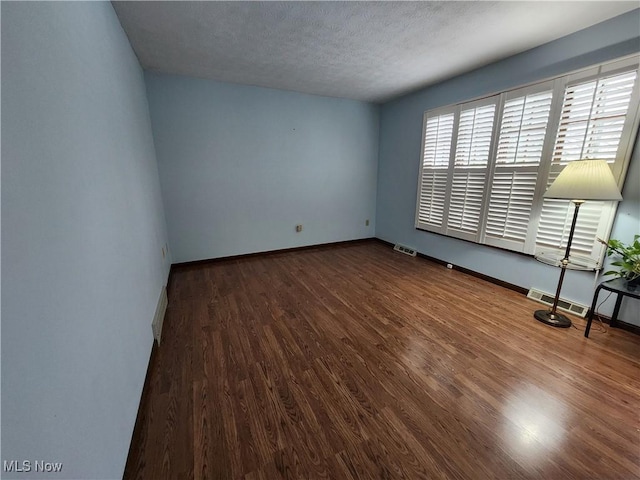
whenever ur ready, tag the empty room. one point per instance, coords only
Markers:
(320, 240)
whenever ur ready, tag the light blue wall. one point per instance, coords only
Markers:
(240, 166)
(82, 232)
(400, 138)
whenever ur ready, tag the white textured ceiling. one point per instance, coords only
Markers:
(369, 51)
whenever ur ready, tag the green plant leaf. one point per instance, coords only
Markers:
(626, 257)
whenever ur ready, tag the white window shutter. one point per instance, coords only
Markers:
(433, 194)
(593, 117)
(522, 136)
(523, 129)
(592, 223)
(594, 114)
(465, 203)
(484, 169)
(512, 195)
(468, 183)
(432, 188)
(475, 131)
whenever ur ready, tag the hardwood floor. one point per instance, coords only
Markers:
(354, 362)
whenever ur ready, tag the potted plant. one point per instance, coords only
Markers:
(627, 259)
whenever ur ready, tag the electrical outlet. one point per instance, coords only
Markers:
(298, 228)
(366, 222)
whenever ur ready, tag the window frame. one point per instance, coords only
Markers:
(539, 189)
(557, 86)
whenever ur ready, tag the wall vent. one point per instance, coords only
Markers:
(566, 305)
(158, 318)
(406, 250)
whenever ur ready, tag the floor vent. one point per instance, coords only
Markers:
(158, 318)
(566, 305)
(406, 250)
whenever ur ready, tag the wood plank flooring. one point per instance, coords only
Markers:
(356, 362)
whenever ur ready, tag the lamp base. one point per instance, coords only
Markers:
(553, 319)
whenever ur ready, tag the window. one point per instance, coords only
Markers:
(470, 164)
(592, 121)
(523, 130)
(435, 165)
(486, 164)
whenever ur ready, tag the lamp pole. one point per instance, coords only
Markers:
(552, 317)
(565, 261)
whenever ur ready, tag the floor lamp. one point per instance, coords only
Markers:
(579, 181)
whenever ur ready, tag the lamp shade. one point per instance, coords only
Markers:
(585, 180)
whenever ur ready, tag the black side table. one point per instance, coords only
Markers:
(617, 286)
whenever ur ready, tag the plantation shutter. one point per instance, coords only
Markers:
(518, 157)
(593, 119)
(432, 190)
(486, 164)
(471, 160)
